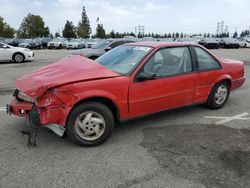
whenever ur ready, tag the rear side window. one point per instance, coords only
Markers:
(205, 60)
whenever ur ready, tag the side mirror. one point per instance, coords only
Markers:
(143, 76)
(107, 48)
(4, 46)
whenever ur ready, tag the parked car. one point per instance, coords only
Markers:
(229, 43)
(25, 43)
(90, 43)
(17, 54)
(86, 97)
(57, 43)
(101, 48)
(2, 39)
(186, 39)
(40, 43)
(12, 41)
(209, 43)
(244, 42)
(76, 44)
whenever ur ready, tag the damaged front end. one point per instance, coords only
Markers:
(38, 112)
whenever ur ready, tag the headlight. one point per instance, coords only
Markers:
(22, 95)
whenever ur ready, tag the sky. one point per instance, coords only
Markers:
(161, 16)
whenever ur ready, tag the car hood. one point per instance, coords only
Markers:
(20, 49)
(87, 52)
(68, 70)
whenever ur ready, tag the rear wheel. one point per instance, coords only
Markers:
(219, 95)
(90, 124)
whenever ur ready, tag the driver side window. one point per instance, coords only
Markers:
(1, 45)
(169, 62)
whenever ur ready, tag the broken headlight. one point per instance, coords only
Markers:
(25, 97)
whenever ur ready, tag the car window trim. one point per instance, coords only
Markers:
(167, 76)
(197, 60)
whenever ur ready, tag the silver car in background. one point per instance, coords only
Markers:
(76, 44)
(101, 48)
(57, 43)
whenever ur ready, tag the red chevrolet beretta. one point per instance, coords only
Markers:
(84, 98)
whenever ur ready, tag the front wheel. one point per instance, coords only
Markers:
(18, 58)
(219, 95)
(90, 124)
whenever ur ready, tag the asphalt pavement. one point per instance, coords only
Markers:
(181, 148)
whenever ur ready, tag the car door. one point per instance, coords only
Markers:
(172, 85)
(5, 52)
(209, 69)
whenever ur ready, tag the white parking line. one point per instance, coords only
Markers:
(3, 109)
(228, 119)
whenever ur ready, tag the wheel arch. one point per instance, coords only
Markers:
(13, 55)
(226, 78)
(104, 100)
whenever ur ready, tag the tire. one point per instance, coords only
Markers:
(93, 57)
(91, 133)
(216, 100)
(60, 46)
(18, 57)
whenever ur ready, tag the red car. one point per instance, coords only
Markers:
(85, 98)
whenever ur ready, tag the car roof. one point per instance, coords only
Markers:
(161, 44)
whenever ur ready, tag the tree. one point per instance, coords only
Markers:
(57, 34)
(235, 34)
(83, 29)
(182, 35)
(5, 29)
(100, 32)
(32, 26)
(177, 35)
(69, 30)
(112, 34)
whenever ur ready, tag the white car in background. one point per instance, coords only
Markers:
(17, 54)
(58, 43)
(244, 42)
(76, 44)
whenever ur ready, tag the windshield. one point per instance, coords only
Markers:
(101, 45)
(58, 40)
(36, 40)
(27, 40)
(123, 59)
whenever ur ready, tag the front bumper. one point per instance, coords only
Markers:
(34, 116)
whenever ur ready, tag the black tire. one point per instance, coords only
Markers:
(103, 110)
(60, 46)
(93, 57)
(18, 57)
(211, 102)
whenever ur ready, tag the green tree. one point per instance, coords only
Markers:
(100, 32)
(57, 34)
(182, 35)
(32, 26)
(112, 34)
(177, 35)
(235, 34)
(83, 29)
(5, 29)
(69, 30)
